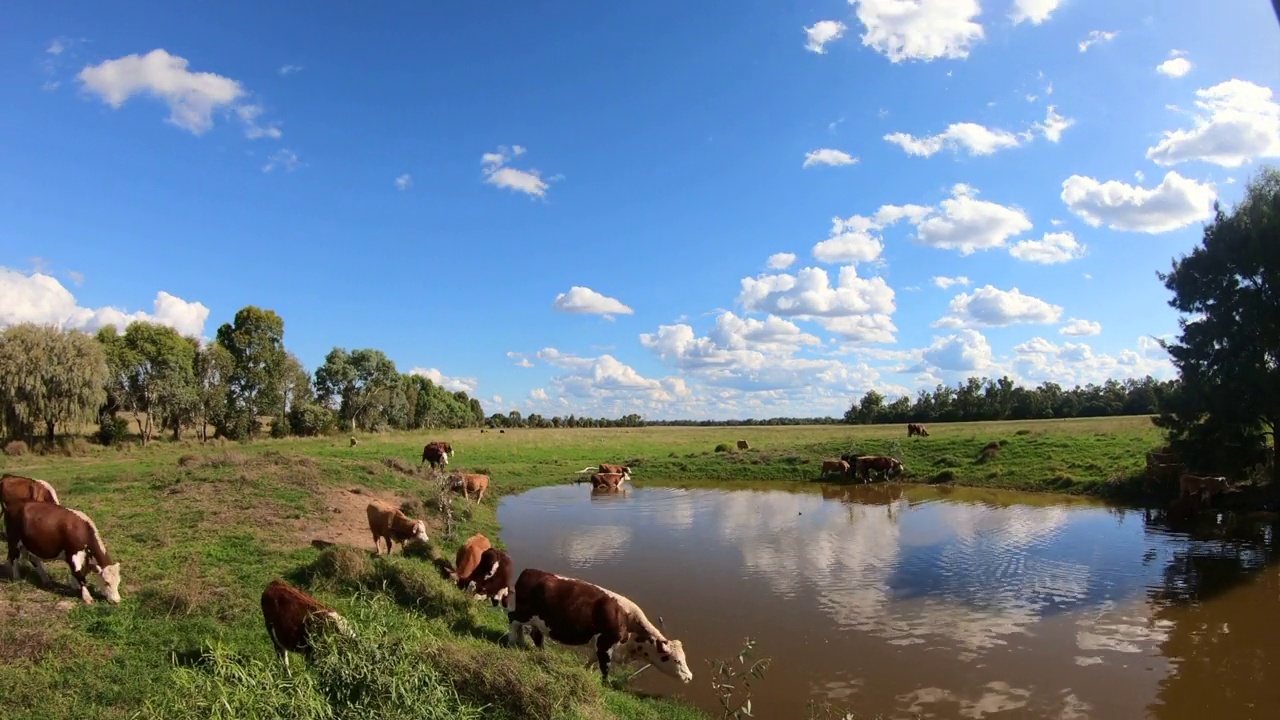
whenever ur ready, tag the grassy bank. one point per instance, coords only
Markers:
(201, 529)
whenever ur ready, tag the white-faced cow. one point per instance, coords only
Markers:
(45, 531)
(293, 617)
(437, 453)
(491, 578)
(616, 469)
(575, 612)
(468, 483)
(390, 524)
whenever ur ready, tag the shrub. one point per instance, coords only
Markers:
(279, 429)
(15, 448)
(112, 430)
(312, 419)
(723, 447)
(73, 447)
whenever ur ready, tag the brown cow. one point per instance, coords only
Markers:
(835, 466)
(612, 481)
(390, 524)
(45, 531)
(468, 557)
(467, 483)
(573, 612)
(491, 579)
(437, 453)
(14, 488)
(616, 469)
(1205, 486)
(914, 429)
(292, 617)
(885, 465)
(742, 445)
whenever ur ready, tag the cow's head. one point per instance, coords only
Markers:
(666, 655)
(420, 531)
(111, 582)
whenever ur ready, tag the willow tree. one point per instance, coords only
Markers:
(1228, 350)
(49, 378)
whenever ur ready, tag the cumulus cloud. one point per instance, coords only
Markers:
(967, 224)
(828, 156)
(973, 138)
(822, 32)
(520, 360)
(1055, 247)
(1075, 327)
(989, 306)
(1053, 125)
(1039, 360)
(1034, 11)
(497, 172)
(809, 293)
(965, 351)
(538, 394)
(404, 182)
(1176, 66)
(452, 384)
(1175, 203)
(192, 97)
(41, 299)
(920, 29)
(1096, 37)
(1238, 122)
(781, 261)
(584, 300)
(850, 241)
(945, 282)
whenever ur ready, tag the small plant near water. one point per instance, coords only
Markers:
(731, 680)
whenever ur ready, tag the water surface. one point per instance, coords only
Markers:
(932, 602)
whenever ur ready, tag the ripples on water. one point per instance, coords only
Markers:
(919, 602)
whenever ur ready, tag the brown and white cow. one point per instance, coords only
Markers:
(839, 467)
(16, 489)
(293, 617)
(437, 453)
(467, 483)
(883, 464)
(613, 468)
(468, 557)
(611, 481)
(45, 531)
(1205, 486)
(914, 429)
(575, 612)
(390, 524)
(491, 578)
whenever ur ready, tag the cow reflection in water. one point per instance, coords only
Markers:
(886, 494)
(608, 494)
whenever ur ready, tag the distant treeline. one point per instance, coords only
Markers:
(241, 385)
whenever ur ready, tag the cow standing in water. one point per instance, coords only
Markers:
(45, 531)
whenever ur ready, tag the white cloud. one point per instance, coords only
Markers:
(521, 360)
(56, 47)
(850, 241)
(1238, 123)
(1053, 125)
(992, 307)
(284, 158)
(452, 384)
(919, 29)
(827, 156)
(945, 282)
(404, 182)
(965, 351)
(41, 299)
(1035, 11)
(1096, 37)
(875, 328)
(1075, 327)
(976, 139)
(583, 300)
(1175, 67)
(286, 70)
(538, 394)
(1039, 360)
(821, 33)
(192, 97)
(781, 261)
(967, 224)
(499, 174)
(1175, 203)
(1055, 247)
(809, 294)
(76, 277)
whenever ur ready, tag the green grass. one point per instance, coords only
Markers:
(200, 530)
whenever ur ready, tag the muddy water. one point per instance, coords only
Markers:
(927, 603)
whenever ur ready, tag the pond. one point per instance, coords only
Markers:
(931, 602)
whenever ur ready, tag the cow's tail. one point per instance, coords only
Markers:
(96, 546)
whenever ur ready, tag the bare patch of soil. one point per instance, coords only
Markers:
(342, 520)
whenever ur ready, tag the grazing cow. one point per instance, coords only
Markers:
(575, 612)
(883, 464)
(292, 617)
(839, 467)
(45, 531)
(468, 557)
(491, 579)
(1205, 486)
(742, 445)
(914, 429)
(467, 483)
(390, 524)
(851, 458)
(612, 481)
(437, 453)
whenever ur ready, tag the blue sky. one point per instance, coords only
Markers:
(589, 209)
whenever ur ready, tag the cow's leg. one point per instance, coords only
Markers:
(39, 566)
(515, 632)
(15, 549)
(77, 563)
(480, 497)
(604, 652)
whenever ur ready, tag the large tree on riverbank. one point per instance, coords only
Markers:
(1228, 350)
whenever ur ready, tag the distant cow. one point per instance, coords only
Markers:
(1205, 486)
(390, 524)
(437, 453)
(883, 464)
(468, 557)
(839, 467)
(575, 612)
(491, 578)
(742, 445)
(467, 483)
(293, 617)
(611, 481)
(914, 429)
(45, 531)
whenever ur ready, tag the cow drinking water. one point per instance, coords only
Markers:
(45, 531)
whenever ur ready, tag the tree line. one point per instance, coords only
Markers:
(241, 385)
(979, 399)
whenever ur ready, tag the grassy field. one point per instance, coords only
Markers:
(201, 529)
